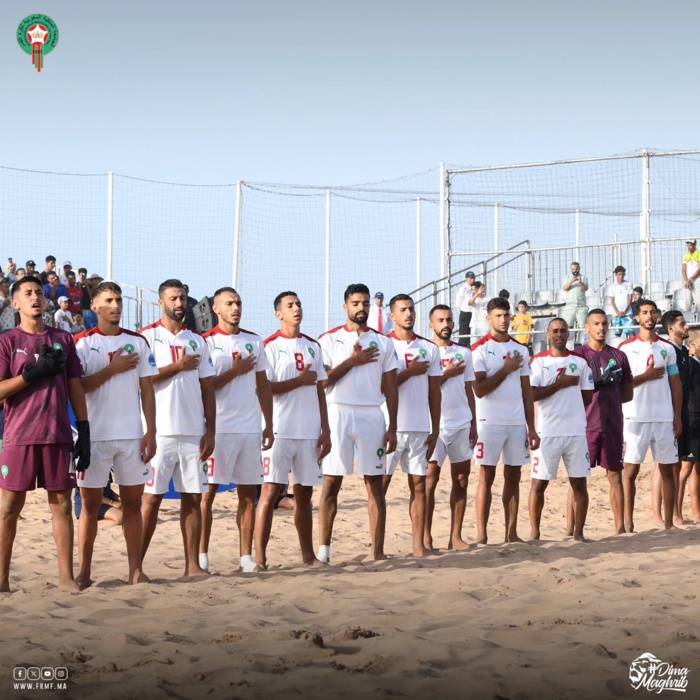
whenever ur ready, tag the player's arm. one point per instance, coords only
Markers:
(650, 373)
(76, 394)
(627, 392)
(324, 440)
(206, 444)
(184, 363)
(469, 389)
(452, 369)
(677, 395)
(241, 365)
(391, 393)
(484, 385)
(434, 404)
(264, 392)
(529, 406)
(587, 396)
(540, 393)
(9, 387)
(358, 357)
(118, 364)
(417, 367)
(148, 405)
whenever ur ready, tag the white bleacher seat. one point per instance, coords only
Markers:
(560, 297)
(663, 303)
(657, 290)
(539, 340)
(544, 296)
(593, 300)
(682, 300)
(672, 286)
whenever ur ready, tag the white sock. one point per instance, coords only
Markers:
(204, 561)
(248, 564)
(324, 553)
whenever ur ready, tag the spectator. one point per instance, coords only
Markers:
(110, 510)
(63, 318)
(522, 325)
(637, 294)
(11, 270)
(67, 267)
(7, 313)
(576, 309)
(691, 264)
(21, 272)
(621, 301)
(75, 294)
(89, 315)
(78, 324)
(379, 317)
(50, 267)
(479, 301)
(53, 290)
(86, 299)
(48, 313)
(504, 294)
(30, 267)
(464, 306)
(189, 311)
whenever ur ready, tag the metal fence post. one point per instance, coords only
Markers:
(237, 233)
(418, 257)
(110, 225)
(327, 317)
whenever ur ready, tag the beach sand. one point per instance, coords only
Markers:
(555, 620)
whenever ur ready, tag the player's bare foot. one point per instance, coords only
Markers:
(5, 586)
(679, 523)
(380, 557)
(620, 530)
(569, 533)
(483, 541)
(671, 528)
(658, 523)
(196, 571)
(83, 582)
(421, 552)
(535, 537)
(316, 563)
(138, 577)
(512, 539)
(428, 544)
(70, 586)
(581, 538)
(459, 545)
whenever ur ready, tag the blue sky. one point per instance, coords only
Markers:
(336, 91)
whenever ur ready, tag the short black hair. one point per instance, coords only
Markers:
(282, 295)
(357, 288)
(504, 294)
(670, 317)
(557, 318)
(170, 284)
(50, 258)
(83, 270)
(221, 290)
(595, 312)
(70, 273)
(619, 268)
(399, 297)
(497, 303)
(646, 302)
(438, 307)
(575, 262)
(107, 286)
(522, 301)
(638, 289)
(25, 280)
(478, 284)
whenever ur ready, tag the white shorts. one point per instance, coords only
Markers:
(639, 437)
(356, 426)
(573, 450)
(411, 453)
(237, 459)
(453, 444)
(300, 457)
(177, 457)
(507, 440)
(123, 455)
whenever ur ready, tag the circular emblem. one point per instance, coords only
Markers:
(573, 367)
(516, 353)
(423, 353)
(5, 471)
(57, 346)
(193, 344)
(459, 357)
(129, 348)
(613, 362)
(249, 348)
(311, 352)
(151, 360)
(37, 35)
(380, 452)
(373, 344)
(664, 354)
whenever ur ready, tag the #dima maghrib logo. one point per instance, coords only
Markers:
(37, 35)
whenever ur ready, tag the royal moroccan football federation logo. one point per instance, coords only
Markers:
(311, 352)
(37, 35)
(249, 348)
(459, 357)
(129, 348)
(193, 345)
(57, 346)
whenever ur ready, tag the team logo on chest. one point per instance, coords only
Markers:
(459, 357)
(311, 352)
(664, 354)
(193, 345)
(249, 348)
(129, 348)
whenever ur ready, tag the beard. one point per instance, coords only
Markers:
(174, 315)
(360, 318)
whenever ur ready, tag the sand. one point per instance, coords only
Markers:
(555, 620)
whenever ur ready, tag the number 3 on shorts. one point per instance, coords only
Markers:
(266, 466)
(479, 454)
(210, 466)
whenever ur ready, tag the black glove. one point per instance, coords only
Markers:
(81, 450)
(608, 378)
(50, 363)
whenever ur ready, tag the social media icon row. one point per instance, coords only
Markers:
(36, 674)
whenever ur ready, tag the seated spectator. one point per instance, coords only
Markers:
(110, 511)
(53, 290)
(75, 294)
(522, 325)
(637, 294)
(50, 267)
(7, 313)
(63, 318)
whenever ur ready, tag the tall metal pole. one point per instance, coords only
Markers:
(578, 235)
(110, 225)
(237, 233)
(496, 248)
(327, 318)
(443, 232)
(418, 257)
(646, 222)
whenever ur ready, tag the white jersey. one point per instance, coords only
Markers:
(179, 407)
(296, 414)
(456, 414)
(64, 320)
(114, 408)
(562, 414)
(414, 411)
(237, 406)
(362, 385)
(620, 292)
(652, 401)
(504, 405)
